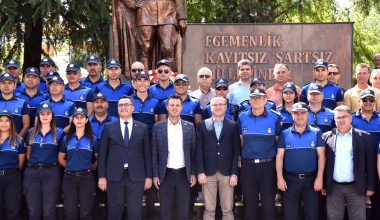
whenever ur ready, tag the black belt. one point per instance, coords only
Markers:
(259, 160)
(344, 183)
(41, 165)
(302, 175)
(175, 170)
(6, 172)
(78, 173)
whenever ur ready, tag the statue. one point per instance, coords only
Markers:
(147, 31)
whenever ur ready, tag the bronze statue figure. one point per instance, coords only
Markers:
(148, 30)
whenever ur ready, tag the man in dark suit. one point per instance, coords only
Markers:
(125, 167)
(350, 168)
(217, 153)
(173, 143)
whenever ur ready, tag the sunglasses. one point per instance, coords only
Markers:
(222, 88)
(181, 83)
(72, 73)
(333, 73)
(368, 100)
(204, 76)
(136, 70)
(163, 71)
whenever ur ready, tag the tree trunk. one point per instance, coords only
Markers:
(32, 40)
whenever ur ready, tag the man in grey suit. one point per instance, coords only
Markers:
(217, 152)
(173, 143)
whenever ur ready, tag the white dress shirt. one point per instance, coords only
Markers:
(344, 163)
(176, 157)
(122, 127)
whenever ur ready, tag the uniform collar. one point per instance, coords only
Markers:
(63, 99)
(359, 114)
(265, 113)
(81, 86)
(293, 129)
(108, 118)
(87, 79)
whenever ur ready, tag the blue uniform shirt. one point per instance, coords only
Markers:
(372, 126)
(231, 112)
(145, 110)
(63, 110)
(244, 106)
(331, 92)
(160, 93)
(43, 85)
(33, 102)
(18, 107)
(97, 126)
(20, 86)
(44, 150)
(79, 95)
(87, 82)
(9, 154)
(259, 134)
(191, 107)
(323, 119)
(113, 95)
(79, 152)
(287, 118)
(301, 149)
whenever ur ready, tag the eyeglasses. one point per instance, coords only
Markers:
(204, 76)
(222, 88)
(124, 105)
(333, 73)
(342, 117)
(181, 83)
(368, 100)
(136, 70)
(71, 73)
(218, 105)
(163, 71)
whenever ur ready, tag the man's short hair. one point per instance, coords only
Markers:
(125, 97)
(333, 65)
(277, 66)
(204, 69)
(362, 65)
(342, 108)
(174, 96)
(244, 62)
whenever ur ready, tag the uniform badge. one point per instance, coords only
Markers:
(66, 113)
(332, 96)
(312, 144)
(191, 112)
(113, 61)
(81, 97)
(152, 110)
(288, 145)
(326, 119)
(71, 65)
(245, 130)
(16, 110)
(92, 57)
(269, 130)
(11, 62)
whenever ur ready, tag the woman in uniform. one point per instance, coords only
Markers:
(77, 155)
(42, 175)
(289, 97)
(12, 158)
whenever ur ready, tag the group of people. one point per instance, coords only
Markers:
(317, 145)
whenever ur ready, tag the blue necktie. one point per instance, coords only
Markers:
(126, 139)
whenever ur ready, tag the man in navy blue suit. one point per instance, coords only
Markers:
(124, 167)
(173, 143)
(217, 151)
